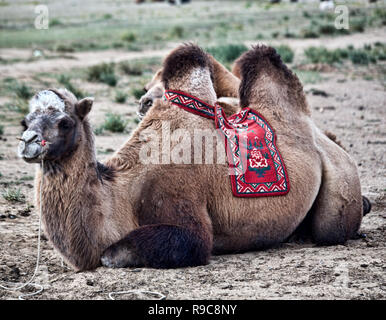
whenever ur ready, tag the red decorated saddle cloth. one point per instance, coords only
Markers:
(256, 166)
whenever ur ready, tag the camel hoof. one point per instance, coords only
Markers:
(119, 257)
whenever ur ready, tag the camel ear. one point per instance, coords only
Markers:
(83, 107)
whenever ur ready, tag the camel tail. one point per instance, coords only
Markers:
(366, 205)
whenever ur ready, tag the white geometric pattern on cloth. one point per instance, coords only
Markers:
(234, 129)
(239, 185)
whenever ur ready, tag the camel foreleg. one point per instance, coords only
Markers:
(173, 233)
(158, 246)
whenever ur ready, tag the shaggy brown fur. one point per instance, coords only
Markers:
(182, 60)
(262, 63)
(127, 213)
(88, 206)
(80, 224)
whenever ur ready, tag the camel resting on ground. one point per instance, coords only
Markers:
(129, 213)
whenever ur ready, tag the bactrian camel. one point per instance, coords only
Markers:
(126, 213)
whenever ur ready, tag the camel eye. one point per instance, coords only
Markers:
(65, 124)
(24, 124)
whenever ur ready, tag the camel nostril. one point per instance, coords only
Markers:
(30, 136)
(33, 138)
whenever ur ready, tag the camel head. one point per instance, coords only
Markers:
(189, 69)
(154, 90)
(53, 126)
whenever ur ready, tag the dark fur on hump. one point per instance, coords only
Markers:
(105, 172)
(251, 65)
(181, 60)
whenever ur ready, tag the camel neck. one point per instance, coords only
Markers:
(70, 206)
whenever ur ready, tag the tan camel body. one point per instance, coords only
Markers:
(127, 213)
(324, 179)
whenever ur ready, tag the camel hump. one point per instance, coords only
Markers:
(259, 60)
(182, 60)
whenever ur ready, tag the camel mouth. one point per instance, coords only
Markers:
(140, 115)
(36, 159)
(31, 152)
